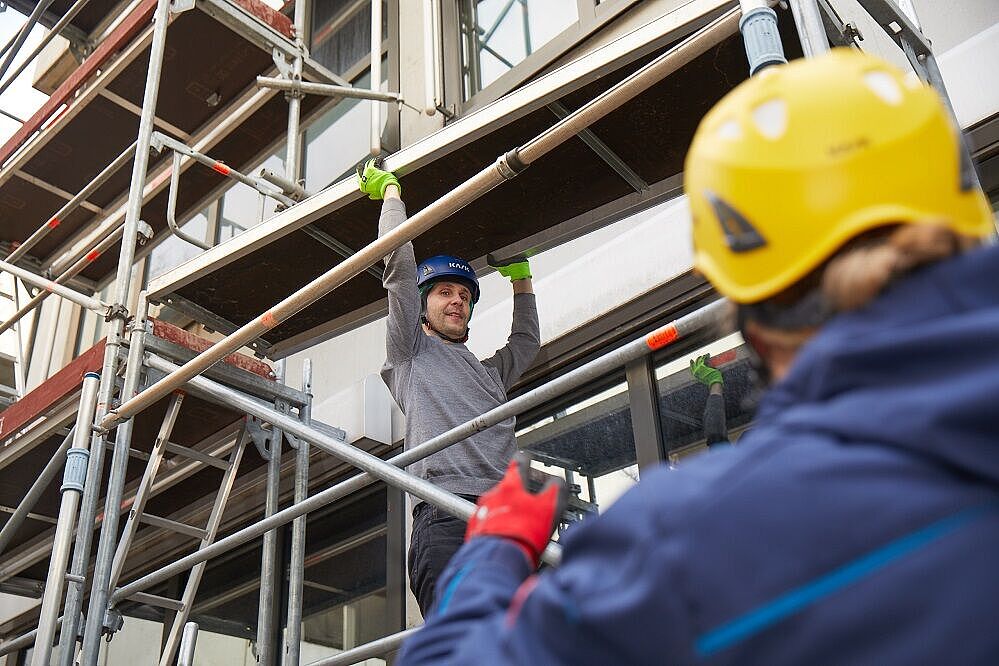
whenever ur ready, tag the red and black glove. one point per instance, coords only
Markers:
(513, 512)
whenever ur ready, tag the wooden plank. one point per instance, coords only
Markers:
(52, 391)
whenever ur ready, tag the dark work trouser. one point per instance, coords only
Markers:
(437, 535)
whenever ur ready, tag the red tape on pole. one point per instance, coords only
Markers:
(92, 255)
(664, 336)
(221, 168)
(268, 319)
(54, 222)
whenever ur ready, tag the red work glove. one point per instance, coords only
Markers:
(513, 512)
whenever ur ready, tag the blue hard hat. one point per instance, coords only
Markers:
(446, 267)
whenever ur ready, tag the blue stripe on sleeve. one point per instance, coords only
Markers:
(769, 614)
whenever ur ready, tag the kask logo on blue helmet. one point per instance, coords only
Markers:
(443, 267)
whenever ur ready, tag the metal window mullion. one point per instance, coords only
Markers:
(646, 421)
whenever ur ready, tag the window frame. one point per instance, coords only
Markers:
(591, 18)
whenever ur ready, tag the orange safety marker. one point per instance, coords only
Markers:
(54, 222)
(664, 336)
(221, 168)
(92, 255)
(268, 319)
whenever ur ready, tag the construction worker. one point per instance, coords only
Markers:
(439, 383)
(858, 522)
(715, 428)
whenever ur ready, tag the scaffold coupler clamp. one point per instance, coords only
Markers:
(117, 311)
(74, 477)
(510, 165)
(113, 622)
(762, 39)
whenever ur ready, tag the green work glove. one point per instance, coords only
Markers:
(704, 373)
(517, 269)
(372, 181)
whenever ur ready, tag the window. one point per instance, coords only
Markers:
(174, 251)
(590, 443)
(499, 34)
(338, 141)
(341, 33)
(244, 207)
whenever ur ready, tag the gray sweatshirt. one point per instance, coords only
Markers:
(440, 384)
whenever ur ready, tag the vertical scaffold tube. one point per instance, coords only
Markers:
(116, 478)
(115, 334)
(74, 480)
(296, 574)
(376, 76)
(267, 636)
(811, 31)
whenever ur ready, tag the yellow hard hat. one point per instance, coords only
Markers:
(795, 162)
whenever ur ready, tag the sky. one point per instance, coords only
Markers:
(19, 99)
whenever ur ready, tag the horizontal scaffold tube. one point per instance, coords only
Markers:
(48, 285)
(66, 276)
(504, 168)
(326, 90)
(73, 204)
(582, 375)
(375, 648)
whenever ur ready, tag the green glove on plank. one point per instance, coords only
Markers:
(704, 373)
(372, 180)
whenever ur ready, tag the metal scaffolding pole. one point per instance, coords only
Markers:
(269, 574)
(74, 480)
(811, 31)
(99, 588)
(505, 168)
(72, 204)
(327, 89)
(658, 339)
(65, 277)
(82, 300)
(378, 468)
(375, 648)
(105, 552)
(296, 573)
(37, 488)
(376, 76)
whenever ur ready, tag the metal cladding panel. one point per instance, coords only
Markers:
(650, 134)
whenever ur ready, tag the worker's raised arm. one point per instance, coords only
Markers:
(399, 278)
(525, 332)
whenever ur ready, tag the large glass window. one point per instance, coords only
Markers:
(590, 443)
(498, 34)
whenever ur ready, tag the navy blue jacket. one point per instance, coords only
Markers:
(857, 523)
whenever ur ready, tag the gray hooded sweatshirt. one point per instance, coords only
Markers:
(440, 385)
